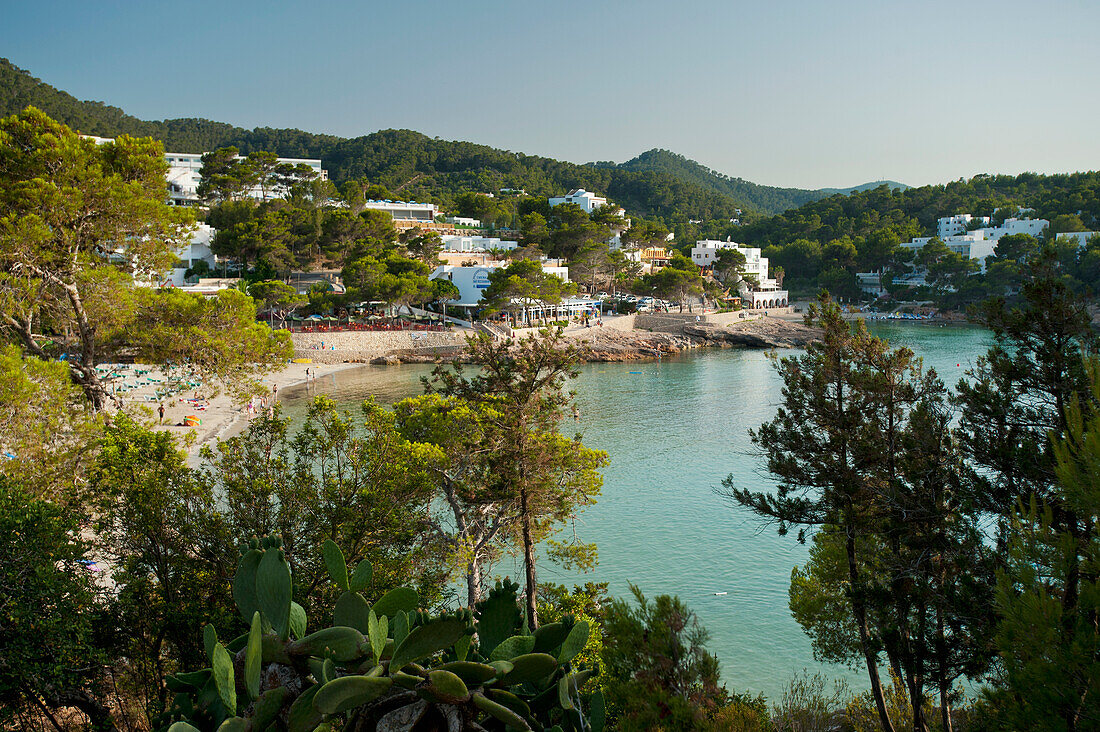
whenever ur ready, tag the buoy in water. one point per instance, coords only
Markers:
(635, 372)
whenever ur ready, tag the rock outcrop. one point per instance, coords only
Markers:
(759, 333)
(606, 345)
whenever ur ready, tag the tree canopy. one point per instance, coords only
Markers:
(82, 226)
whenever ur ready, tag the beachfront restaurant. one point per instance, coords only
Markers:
(567, 309)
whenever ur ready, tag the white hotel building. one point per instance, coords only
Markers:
(977, 244)
(974, 243)
(767, 293)
(184, 178)
(421, 213)
(473, 280)
(588, 201)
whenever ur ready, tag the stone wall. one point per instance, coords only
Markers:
(620, 322)
(675, 322)
(665, 322)
(362, 346)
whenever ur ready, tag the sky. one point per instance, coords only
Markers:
(797, 93)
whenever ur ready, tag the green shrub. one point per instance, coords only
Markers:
(386, 666)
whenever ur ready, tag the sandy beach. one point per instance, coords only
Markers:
(219, 416)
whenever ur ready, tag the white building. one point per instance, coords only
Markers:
(464, 221)
(406, 210)
(588, 201)
(958, 224)
(1081, 238)
(766, 293)
(184, 177)
(455, 243)
(472, 281)
(1031, 227)
(196, 250)
(706, 251)
(956, 235)
(980, 243)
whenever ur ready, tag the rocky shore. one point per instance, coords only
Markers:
(759, 333)
(603, 345)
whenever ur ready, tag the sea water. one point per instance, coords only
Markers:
(673, 430)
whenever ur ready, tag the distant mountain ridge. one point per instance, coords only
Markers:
(657, 183)
(768, 199)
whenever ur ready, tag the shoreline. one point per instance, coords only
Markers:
(222, 419)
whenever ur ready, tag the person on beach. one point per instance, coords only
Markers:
(160, 411)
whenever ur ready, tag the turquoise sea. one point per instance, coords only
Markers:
(673, 431)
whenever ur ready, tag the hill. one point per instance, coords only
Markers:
(657, 184)
(891, 184)
(766, 199)
(410, 164)
(1071, 201)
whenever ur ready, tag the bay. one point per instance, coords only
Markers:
(674, 430)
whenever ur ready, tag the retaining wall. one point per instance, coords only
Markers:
(665, 322)
(364, 345)
(674, 322)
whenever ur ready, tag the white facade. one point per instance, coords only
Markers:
(767, 294)
(196, 250)
(1080, 237)
(184, 178)
(979, 243)
(588, 201)
(406, 210)
(958, 224)
(1031, 227)
(454, 243)
(183, 174)
(705, 252)
(464, 221)
(472, 281)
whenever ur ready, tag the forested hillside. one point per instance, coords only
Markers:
(1074, 195)
(656, 185)
(408, 163)
(766, 199)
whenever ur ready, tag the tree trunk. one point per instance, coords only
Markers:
(916, 701)
(860, 611)
(88, 380)
(473, 582)
(945, 710)
(914, 679)
(99, 717)
(529, 562)
(941, 662)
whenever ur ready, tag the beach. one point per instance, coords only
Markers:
(219, 416)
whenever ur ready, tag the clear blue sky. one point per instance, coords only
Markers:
(800, 93)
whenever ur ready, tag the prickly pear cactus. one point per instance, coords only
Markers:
(384, 667)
